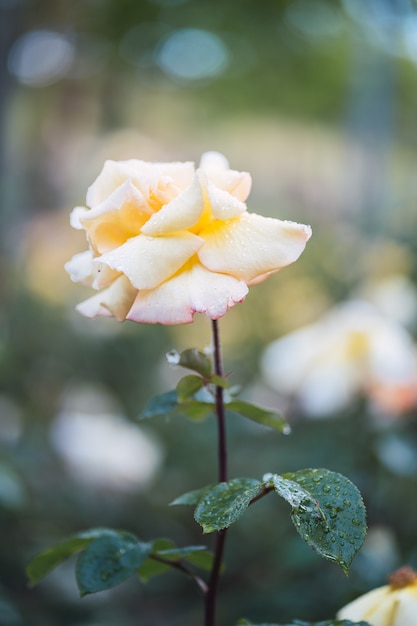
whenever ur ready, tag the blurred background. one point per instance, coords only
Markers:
(317, 99)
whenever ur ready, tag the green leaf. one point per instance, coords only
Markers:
(48, 560)
(259, 415)
(203, 559)
(150, 567)
(327, 511)
(219, 381)
(163, 404)
(195, 409)
(108, 561)
(168, 404)
(197, 361)
(178, 554)
(192, 497)
(166, 549)
(224, 503)
(188, 386)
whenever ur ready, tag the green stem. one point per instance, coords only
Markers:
(211, 596)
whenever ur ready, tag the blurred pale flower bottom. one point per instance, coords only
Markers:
(354, 349)
(391, 605)
(102, 449)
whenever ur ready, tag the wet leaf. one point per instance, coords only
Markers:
(192, 498)
(258, 414)
(219, 381)
(108, 561)
(168, 404)
(327, 511)
(188, 386)
(163, 404)
(150, 567)
(166, 549)
(48, 560)
(224, 503)
(197, 361)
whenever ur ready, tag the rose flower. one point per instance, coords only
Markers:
(166, 241)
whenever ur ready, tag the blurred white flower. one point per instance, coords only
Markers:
(391, 605)
(105, 450)
(394, 296)
(352, 350)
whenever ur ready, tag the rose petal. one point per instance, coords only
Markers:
(252, 245)
(180, 214)
(80, 268)
(195, 290)
(115, 301)
(216, 166)
(149, 261)
(223, 205)
(117, 219)
(142, 174)
(213, 161)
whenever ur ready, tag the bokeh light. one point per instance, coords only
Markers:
(41, 57)
(192, 54)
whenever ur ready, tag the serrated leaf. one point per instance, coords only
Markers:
(108, 561)
(191, 498)
(197, 361)
(327, 511)
(223, 504)
(48, 560)
(258, 414)
(188, 386)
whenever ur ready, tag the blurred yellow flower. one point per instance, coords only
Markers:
(167, 240)
(392, 605)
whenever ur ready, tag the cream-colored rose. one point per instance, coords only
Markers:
(167, 240)
(392, 605)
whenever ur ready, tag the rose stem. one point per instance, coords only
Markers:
(211, 596)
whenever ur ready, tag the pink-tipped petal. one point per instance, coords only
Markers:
(193, 291)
